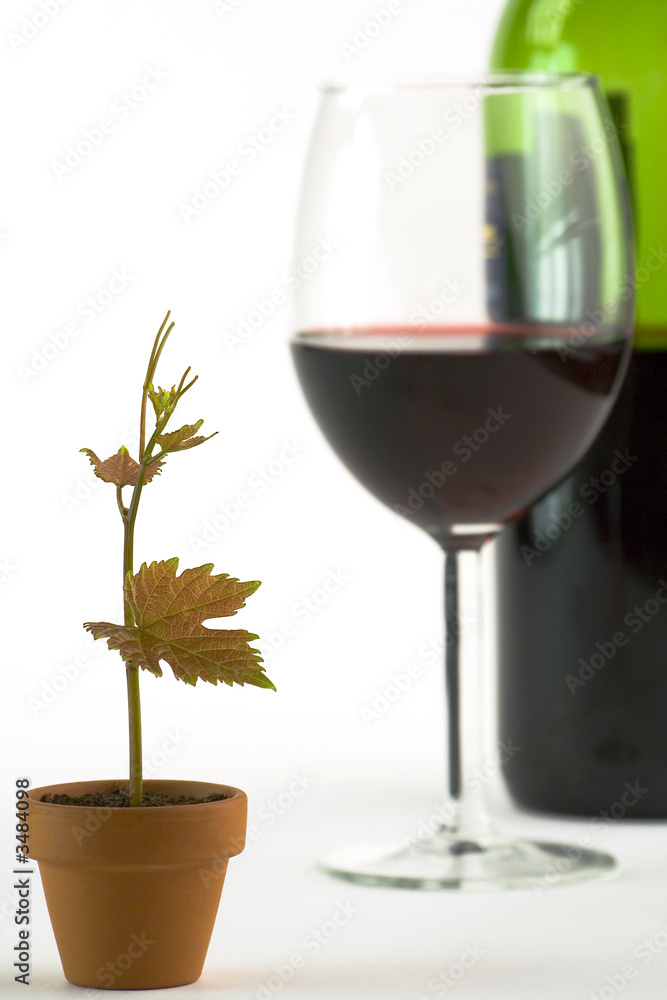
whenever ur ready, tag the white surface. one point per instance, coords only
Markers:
(534, 945)
(62, 239)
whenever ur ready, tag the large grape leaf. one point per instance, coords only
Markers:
(121, 469)
(169, 610)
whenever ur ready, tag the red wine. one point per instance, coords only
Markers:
(460, 427)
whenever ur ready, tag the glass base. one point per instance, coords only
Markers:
(448, 862)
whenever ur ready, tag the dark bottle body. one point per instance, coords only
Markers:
(582, 610)
(586, 738)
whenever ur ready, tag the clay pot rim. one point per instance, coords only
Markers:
(137, 836)
(175, 785)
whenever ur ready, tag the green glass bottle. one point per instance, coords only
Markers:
(582, 579)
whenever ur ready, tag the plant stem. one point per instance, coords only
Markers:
(132, 672)
(158, 347)
(134, 716)
(133, 694)
(129, 516)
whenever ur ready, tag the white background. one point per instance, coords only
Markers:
(219, 77)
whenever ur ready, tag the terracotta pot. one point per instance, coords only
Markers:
(133, 893)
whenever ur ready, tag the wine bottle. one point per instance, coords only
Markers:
(582, 578)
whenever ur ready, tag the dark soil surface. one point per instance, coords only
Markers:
(115, 797)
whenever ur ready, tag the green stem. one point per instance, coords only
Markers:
(129, 516)
(128, 562)
(134, 716)
(133, 695)
(132, 672)
(119, 501)
(158, 347)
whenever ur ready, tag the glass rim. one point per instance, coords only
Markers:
(508, 81)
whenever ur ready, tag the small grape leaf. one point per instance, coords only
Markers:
(183, 438)
(162, 399)
(121, 469)
(169, 611)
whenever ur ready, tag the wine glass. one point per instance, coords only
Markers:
(460, 349)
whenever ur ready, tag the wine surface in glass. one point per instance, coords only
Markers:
(458, 427)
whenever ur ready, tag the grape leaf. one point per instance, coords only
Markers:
(183, 438)
(121, 469)
(169, 611)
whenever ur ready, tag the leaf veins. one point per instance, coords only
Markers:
(169, 611)
(183, 438)
(121, 469)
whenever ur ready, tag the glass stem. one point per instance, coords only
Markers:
(468, 768)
